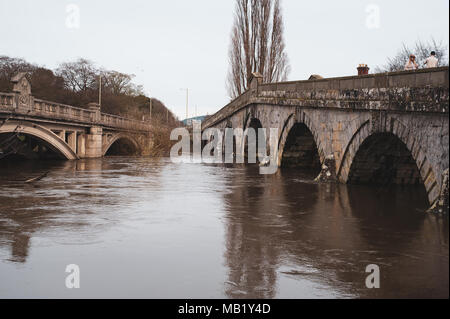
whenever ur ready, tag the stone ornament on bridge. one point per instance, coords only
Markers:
(23, 88)
(314, 77)
(256, 79)
(363, 69)
(96, 114)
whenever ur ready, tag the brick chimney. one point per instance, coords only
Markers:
(363, 69)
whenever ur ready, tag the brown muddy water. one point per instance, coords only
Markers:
(147, 228)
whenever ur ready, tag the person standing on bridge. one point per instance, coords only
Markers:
(411, 64)
(432, 61)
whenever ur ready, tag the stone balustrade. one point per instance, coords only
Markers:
(11, 103)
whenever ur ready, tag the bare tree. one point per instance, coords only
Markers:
(10, 67)
(257, 45)
(117, 83)
(79, 76)
(421, 50)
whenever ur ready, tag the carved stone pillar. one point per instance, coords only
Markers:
(95, 112)
(22, 89)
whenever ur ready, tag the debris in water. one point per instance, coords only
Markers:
(32, 180)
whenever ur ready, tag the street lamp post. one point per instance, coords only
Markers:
(187, 102)
(151, 106)
(100, 91)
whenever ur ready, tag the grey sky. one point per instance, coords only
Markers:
(175, 44)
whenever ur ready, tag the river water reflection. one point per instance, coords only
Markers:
(148, 228)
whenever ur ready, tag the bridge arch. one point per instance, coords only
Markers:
(299, 144)
(251, 122)
(51, 140)
(388, 155)
(127, 139)
(228, 157)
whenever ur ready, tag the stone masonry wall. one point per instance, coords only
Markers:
(342, 113)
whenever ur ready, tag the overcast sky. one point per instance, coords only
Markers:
(173, 44)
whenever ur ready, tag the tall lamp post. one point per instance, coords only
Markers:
(187, 102)
(151, 106)
(100, 91)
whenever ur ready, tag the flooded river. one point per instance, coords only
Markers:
(148, 228)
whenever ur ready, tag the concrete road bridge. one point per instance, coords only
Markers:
(48, 129)
(371, 129)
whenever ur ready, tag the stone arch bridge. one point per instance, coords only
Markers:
(62, 131)
(375, 129)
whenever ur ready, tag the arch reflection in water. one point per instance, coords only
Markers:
(289, 237)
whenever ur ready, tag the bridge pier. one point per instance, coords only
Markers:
(94, 143)
(328, 172)
(72, 141)
(81, 145)
(442, 204)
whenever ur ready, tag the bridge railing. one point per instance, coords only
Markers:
(230, 108)
(27, 105)
(6, 100)
(122, 122)
(60, 111)
(423, 78)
